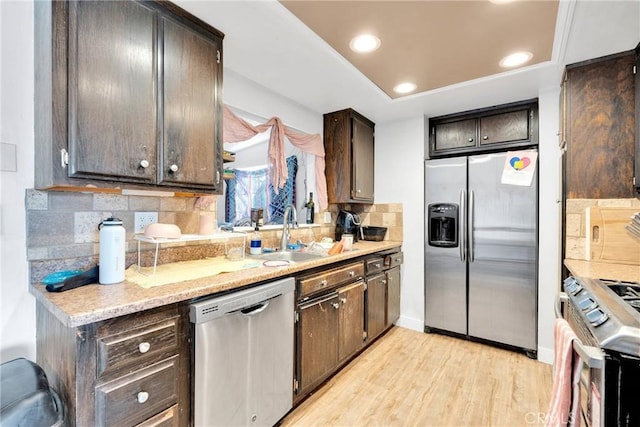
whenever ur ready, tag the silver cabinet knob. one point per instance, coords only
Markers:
(144, 347)
(352, 273)
(335, 305)
(470, 139)
(485, 137)
(323, 283)
(143, 396)
(173, 168)
(144, 164)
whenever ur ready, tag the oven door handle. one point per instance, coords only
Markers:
(591, 356)
(561, 298)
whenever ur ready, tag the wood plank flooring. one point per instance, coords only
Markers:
(408, 378)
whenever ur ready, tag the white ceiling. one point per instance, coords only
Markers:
(266, 43)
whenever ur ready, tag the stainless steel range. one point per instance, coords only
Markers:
(605, 315)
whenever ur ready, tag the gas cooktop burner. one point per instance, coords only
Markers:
(628, 291)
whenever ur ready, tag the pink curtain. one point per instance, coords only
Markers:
(235, 129)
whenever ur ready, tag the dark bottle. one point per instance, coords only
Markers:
(310, 209)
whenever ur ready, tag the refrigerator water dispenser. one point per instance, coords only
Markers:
(443, 225)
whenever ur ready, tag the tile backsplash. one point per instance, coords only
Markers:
(575, 221)
(62, 227)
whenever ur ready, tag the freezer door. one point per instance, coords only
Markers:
(502, 255)
(445, 270)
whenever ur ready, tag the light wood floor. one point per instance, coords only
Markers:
(408, 378)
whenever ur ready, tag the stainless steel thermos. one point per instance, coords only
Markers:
(112, 251)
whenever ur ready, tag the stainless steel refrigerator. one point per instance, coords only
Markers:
(481, 248)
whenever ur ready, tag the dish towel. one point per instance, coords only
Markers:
(564, 409)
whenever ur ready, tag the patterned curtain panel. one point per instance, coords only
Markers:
(251, 189)
(286, 195)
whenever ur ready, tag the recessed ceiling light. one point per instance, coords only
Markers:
(364, 43)
(516, 59)
(405, 87)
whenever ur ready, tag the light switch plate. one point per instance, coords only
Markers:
(142, 219)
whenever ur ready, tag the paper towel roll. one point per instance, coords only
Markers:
(207, 223)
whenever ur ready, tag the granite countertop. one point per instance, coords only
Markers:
(93, 303)
(603, 270)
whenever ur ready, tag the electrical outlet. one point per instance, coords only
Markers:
(327, 217)
(142, 219)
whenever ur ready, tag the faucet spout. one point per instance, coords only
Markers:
(287, 223)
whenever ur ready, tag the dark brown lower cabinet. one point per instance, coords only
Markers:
(317, 341)
(330, 331)
(126, 371)
(376, 305)
(351, 323)
(393, 295)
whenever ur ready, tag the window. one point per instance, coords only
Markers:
(251, 189)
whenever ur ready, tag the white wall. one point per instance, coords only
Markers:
(399, 178)
(17, 306)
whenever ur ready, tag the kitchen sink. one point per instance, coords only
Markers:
(287, 256)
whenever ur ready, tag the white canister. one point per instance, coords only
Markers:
(112, 251)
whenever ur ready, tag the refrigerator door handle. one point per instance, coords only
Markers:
(462, 233)
(470, 226)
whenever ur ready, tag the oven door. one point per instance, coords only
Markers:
(592, 364)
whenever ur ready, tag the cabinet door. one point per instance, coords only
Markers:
(351, 331)
(459, 134)
(636, 174)
(190, 144)
(317, 341)
(362, 161)
(506, 127)
(112, 95)
(376, 305)
(393, 295)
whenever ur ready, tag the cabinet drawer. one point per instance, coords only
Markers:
(167, 418)
(393, 260)
(134, 398)
(134, 347)
(330, 278)
(374, 265)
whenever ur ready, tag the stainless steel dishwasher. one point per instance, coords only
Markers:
(244, 356)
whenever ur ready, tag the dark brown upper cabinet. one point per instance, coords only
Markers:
(127, 93)
(349, 157)
(599, 127)
(489, 129)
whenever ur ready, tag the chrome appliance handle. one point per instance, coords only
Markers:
(590, 356)
(470, 226)
(561, 298)
(462, 234)
(258, 308)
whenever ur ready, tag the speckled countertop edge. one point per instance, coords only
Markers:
(603, 270)
(93, 303)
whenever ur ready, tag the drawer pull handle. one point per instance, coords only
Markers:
(343, 301)
(384, 282)
(144, 347)
(144, 164)
(352, 273)
(335, 305)
(323, 283)
(143, 396)
(377, 265)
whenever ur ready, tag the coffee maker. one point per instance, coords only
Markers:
(348, 223)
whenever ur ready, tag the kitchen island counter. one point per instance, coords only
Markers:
(93, 303)
(603, 270)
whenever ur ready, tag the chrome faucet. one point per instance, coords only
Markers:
(286, 225)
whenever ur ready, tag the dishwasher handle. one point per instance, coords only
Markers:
(255, 309)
